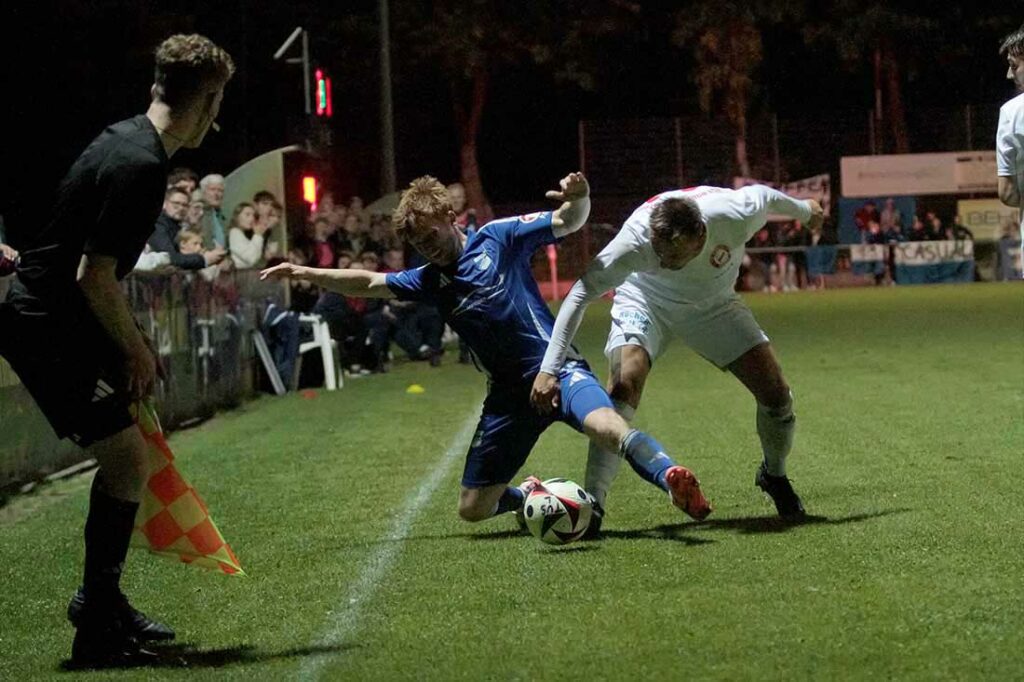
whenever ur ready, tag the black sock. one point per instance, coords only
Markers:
(108, 529)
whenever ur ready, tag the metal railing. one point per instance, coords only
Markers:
(202, 329)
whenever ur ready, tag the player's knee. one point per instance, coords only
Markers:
(626, 390)
(472, 507)
(124, 458)
(605, 427)
(778, 402)
(473, 513)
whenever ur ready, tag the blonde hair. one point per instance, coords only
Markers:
(185, 234)
(188, 66)
(425, 196)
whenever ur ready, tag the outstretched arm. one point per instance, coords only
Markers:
(574, 191)
(360, 283)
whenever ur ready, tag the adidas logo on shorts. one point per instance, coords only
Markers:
(576, 376)
(103, 390)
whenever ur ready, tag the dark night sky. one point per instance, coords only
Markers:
(74, 66)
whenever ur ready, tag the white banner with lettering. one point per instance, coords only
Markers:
(915, 174)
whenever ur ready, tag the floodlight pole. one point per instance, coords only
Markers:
(305, 69)
(387, 123)
(304, 60)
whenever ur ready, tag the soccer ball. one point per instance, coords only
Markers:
(558, 511)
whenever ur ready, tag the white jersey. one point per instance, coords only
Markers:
(1010, 145)
(732, 218)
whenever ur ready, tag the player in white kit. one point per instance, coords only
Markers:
(673, 267)
(1010, 133)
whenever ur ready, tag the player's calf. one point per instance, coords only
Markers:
(479, 504)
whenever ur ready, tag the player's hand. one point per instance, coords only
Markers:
(8, 252)
(817, 215)
(546, 393)
(214, 255)
(283, 271)
(140, 370)
(572, 187)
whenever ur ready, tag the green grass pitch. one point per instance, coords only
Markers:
(910, 445)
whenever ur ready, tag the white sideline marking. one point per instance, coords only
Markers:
(344, 619)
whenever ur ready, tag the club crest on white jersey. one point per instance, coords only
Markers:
(720, 256)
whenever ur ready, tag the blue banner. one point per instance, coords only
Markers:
(934, 262)
(821, 260)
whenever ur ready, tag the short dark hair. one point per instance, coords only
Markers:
(1013, 44)
(677, 217)
(263, 195)
(188, 66)
(172, 190)
(178, 174)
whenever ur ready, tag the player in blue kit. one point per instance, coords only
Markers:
(482, 283)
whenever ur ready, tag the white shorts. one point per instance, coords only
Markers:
(720, 330)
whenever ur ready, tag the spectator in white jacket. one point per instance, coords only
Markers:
(245, 237)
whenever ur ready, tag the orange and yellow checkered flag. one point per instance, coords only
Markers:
(173, 520)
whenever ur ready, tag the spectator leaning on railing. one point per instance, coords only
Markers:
(168, 225)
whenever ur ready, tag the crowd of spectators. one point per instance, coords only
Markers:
(782, 265)
(195, 236)
(889, 227)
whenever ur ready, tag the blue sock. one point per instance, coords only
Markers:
(647, 457)
(510, 500)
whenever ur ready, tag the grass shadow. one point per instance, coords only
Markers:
(775, 524)
(186, 655)
(672, 532)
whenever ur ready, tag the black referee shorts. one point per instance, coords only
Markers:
(71, 368)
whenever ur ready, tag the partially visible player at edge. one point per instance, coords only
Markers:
(673, 267)
(482, 283)
(71, 337)
(1010, 133)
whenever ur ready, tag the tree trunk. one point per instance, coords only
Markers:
(742, 160)
(894, 101)
(467, 120)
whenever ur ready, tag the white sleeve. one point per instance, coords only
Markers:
(151, 260)
(1006, 145)
(608, 270)
(246, 253)
(760, 201)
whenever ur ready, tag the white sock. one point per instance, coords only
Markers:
(775, 427)
(602, 465)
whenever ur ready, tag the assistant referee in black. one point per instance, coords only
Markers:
(71, 337)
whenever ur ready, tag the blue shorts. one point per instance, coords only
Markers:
(510, 426)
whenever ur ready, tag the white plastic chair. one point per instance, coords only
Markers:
(333, 379)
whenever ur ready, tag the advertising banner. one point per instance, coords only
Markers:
(915, 174)
(934, 262)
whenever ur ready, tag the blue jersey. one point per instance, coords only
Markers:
(489, 296)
